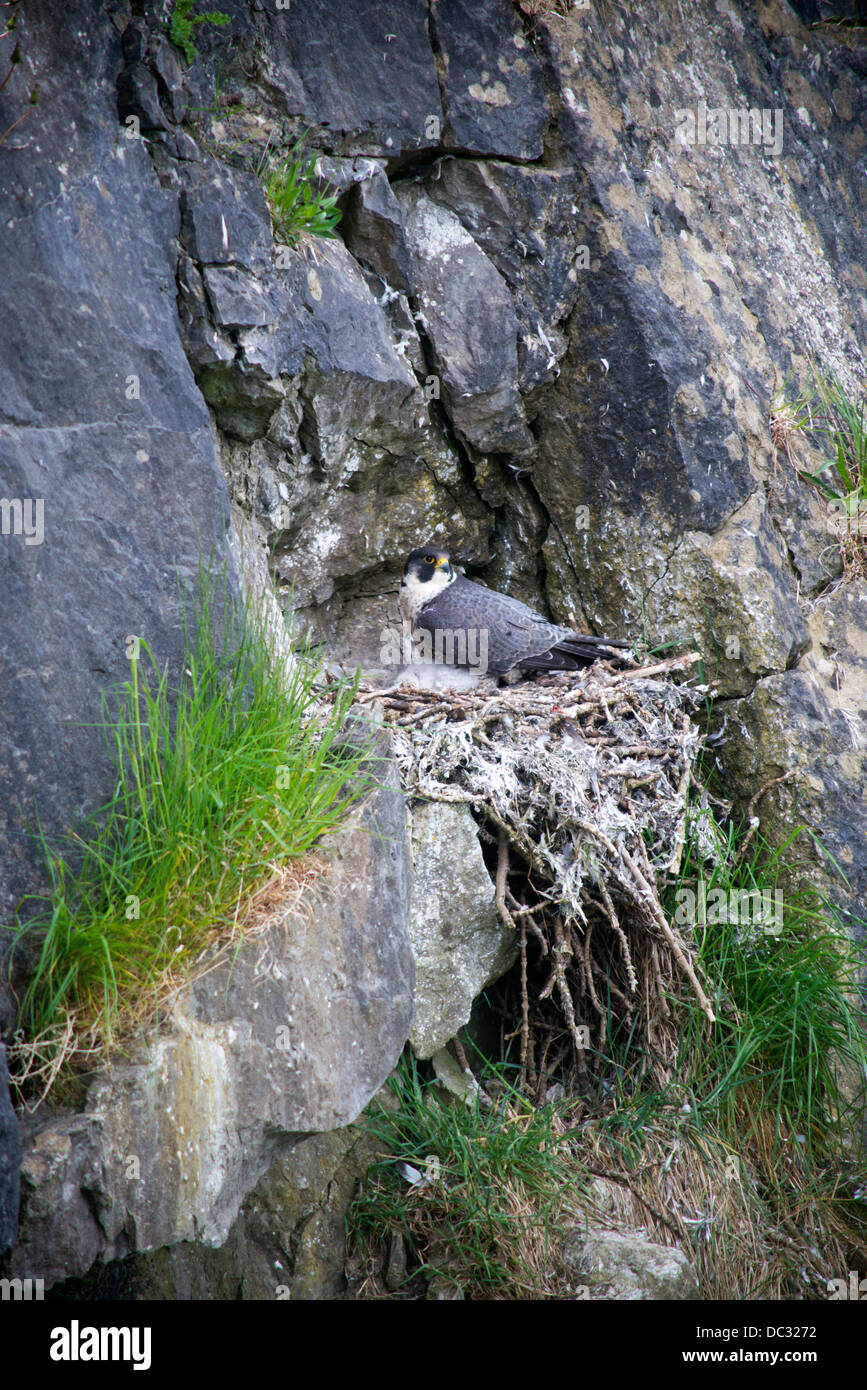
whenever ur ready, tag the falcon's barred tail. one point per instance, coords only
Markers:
(574, 653)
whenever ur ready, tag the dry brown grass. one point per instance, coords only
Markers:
(59, 1059)
(691, 1190)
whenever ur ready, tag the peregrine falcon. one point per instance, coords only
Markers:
(465, 624)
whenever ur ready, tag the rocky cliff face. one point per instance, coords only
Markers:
(289, 1034)
(532, 342)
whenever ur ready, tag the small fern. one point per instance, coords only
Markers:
(182, 26)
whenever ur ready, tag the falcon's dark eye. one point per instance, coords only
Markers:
(430, 559)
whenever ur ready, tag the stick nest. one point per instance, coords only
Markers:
(579, 784)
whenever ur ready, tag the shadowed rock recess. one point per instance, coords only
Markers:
(532, 341)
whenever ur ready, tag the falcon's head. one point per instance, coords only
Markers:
(426, 573)
(429, 566)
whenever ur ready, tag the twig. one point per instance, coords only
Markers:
(658, 915)
(525, 1006)
(680, 839)
(754, 822)
(627, 1182)
(674, 663)
(502, 873)
(461, 1055)
(621, 935)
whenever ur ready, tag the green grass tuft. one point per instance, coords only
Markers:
(789, 1024)
(836, 422)
(493, 1182)
(297, 204)
(220, 776)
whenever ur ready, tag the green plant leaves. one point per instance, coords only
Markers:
(183, 24)
(297, 204)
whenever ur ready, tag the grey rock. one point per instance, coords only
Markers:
(287, 1242)
(627, 1267)
(351, 450)
(326, 436)
(237, 298)
(373, 231)
(100, 418)
(205, 346)
(524, 218)
(493, 92)
(733, 599)
(469, 317)
(59, 1231)
(244, 392)
(292, 1031)
(134, 42)
(137, 96)
(801, 520)
(458, 941)
(341, 324)
(395, 1269)
(10, 1161)
(166, 63)
(829, 11)
(316, 311)
(225, 217)
(401, 323)
(457, 1082)
(362, 71)
(528, 221)
(811, 723)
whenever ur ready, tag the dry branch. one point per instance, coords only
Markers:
(575, 776)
